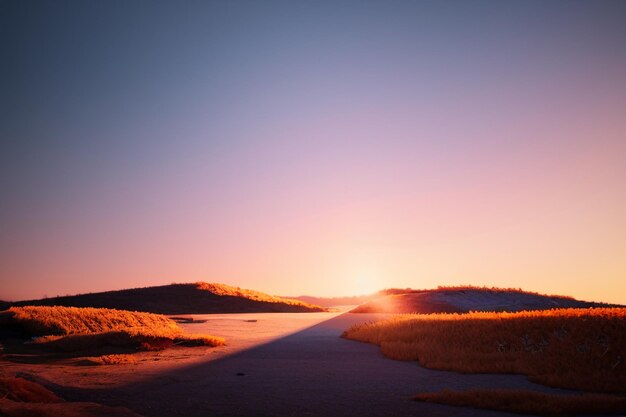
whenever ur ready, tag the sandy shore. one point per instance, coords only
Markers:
(242, 331)
(276, 364)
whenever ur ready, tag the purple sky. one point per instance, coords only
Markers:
(326, 148)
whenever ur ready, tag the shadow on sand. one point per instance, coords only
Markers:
(313, 372)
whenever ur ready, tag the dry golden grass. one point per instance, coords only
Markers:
(570, 348)
(529, 402)
(229, 291)
(115, 359)
(40, 321)
(73, 328)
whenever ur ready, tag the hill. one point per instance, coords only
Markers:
(466, 299)
(196, 298)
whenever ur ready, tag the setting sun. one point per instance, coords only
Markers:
(204, 194)
(366, 285)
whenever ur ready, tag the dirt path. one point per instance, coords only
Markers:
(310, 373)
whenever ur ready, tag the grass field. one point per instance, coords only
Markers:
(581, 349)
(73, 328)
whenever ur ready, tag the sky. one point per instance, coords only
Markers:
(325, 148)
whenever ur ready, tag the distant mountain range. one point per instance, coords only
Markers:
(468, 298)
(196, 298)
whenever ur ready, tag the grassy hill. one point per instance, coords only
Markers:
(196, 298)
(467, 298)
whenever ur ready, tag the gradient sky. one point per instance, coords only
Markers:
(322, 148)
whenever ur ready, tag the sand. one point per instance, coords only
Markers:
(282, 364)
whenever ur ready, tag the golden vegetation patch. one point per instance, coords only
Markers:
(58, 320)
(74, 328)
(529, 402)
(569, 348)
(229, 291)
(115, 359)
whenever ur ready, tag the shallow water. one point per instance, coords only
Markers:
(246, 330)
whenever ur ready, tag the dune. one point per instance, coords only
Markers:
(466, 299)
(196, 298)
(20, 397)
